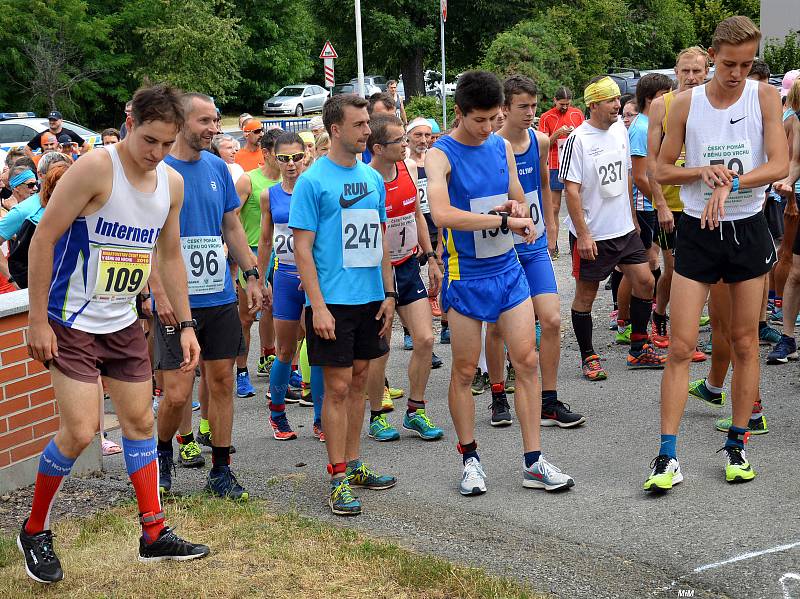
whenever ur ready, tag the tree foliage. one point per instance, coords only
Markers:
(783, 56)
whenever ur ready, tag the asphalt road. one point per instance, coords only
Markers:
(603, 538)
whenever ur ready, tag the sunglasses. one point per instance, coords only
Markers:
(31, 185)
(256, 131)
(400, 140)
(297, 157)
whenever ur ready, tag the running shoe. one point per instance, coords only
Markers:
(387, 403)
(785, 349)
(157, 395)
(738, 469)
(707, 346)
(381, 430)
(776, 316)
(341, 500)
(623, 337)
(612, 324)
(444, 338)
(699, 355)
(292, 395)
(543, 475)
(699, 390)
(281, 429)
(501, 411)
(395, 393)
(478, 383)
(756, 426)
(554, 254)
(41, 561)
(317, 430)
(222, 482)
(659, 335)
(195, 405)
(473, 480)
(166, 465)
(359, 474)
(557, 413)
(768, 336)
(538, 335)
(203, 438)
(408, 343)
(647, 357)
(244, 387)
(305, 399)
(169, 546)
(436, 361)
(295, 379)
(666, 473)
(592, 369)
(511, 379)
(264, 366)
(419, 423)
(436, 309)
(704, 320)
(191, 455)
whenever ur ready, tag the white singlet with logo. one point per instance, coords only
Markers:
(732, 137)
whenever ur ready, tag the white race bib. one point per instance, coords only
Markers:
(205, 264)
(532, 199)
(736, 156)
(283, 242)
(122, 272)
(490, 242)
(422, 188)
(612, 174)
(362, 239)
(560, 143)
(401, 235)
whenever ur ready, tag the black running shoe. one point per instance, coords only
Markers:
(168, 545)
(41, 562)
(205, 440)
(222, 483)
(166, 466)
(556, 413)
(436, 361)
(292, 395)
(501, 411)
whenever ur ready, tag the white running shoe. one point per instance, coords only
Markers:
(543, 475)
(473, 482)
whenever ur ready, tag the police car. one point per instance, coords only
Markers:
(18, 128)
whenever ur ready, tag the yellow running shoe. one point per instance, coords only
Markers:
(387, 404)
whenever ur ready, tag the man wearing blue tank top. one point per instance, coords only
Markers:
(476, 197)
(735, 147)
(89, 259)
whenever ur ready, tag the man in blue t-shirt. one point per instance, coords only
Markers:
(208, 215)
(337, 214)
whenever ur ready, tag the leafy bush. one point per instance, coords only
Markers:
(429, 107)
(783, 56)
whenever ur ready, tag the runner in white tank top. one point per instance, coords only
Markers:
(735, 146)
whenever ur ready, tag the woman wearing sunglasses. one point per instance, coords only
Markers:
(287, 297)
(28, 208)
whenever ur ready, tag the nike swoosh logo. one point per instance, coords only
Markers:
(347, 203)
(420, 290)
(737, 120)
(768, 259)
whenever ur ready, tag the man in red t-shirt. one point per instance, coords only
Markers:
(557, 123)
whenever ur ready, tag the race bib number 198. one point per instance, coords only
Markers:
(490, 242)
(121, 272)
(362, 240)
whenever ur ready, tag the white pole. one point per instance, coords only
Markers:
(359, 51)
(444, 92)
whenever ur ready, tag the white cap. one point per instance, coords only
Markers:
(417, 122)
(316, 123)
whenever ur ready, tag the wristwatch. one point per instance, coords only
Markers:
(188, 324)
(429, 255)
(253, 272)
(735, 185)
(392, 294)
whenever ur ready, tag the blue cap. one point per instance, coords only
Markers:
(54, 115)
(434, 126)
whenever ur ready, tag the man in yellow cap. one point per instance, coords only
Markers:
(595, 169)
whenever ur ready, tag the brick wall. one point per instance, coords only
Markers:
(28, 412)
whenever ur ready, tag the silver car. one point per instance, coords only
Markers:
(297, 100)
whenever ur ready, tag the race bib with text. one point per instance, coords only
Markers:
(490, 242)
(122, 272)
(205, 264)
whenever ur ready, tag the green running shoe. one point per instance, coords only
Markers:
(738, 469)
(704, 320)
(422, 425)
(478, 383)
(342, 501)
(381, 430)
(699, 390)
(755, 426)
(665, 474)
(191, 455)
(264, 366)
(623, 338)
(511, 378)
(359, 474)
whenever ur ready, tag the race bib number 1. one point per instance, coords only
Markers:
(612, 174)
(401, 235)
(205, 264)
(490, 242)
(736, 156)
(121, 272)
(532, 198)
(362, 239)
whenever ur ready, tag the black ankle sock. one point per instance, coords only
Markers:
(656, 275)
(582, 325)
(374, 414)
(445, 325)
(640, 316)
(241, 370)
(220, 456)
(186, 439)
(659, 318)
(165, 445)
(616, 279)
(406, 331)
(548, 396)
(762, 324)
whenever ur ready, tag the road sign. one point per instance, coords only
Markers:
(443, 5)
(328, 51)
(329, 80)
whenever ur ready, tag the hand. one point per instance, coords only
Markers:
(191, 350)
(791, 206)
(434, 278)
(439, 253)
(387, 314)
(587, 248)
(784, 188)
(166, 315)
(665, 219)
(512, 208)
(42, 343)
(552, 240)
(523, 227)
(147, 308)
(716, 175)
(715, 208)
(324, 324)
(563, 130)
(266, 296)
(254, 295)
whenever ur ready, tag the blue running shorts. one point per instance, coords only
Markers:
(485, 299)
(287, 299)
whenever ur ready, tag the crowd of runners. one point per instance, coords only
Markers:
(156, 255)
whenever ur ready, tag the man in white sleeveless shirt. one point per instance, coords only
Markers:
(735, 147)
(89, 259)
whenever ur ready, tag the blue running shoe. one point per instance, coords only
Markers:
(785, 349)
(359, 474)
(444, 339)
(419, 423)
(381, 430)
(244, 387)
(408, 343)
(342, 501)
(296, 380)
(166, 466)
(195, 405)
(776, 316)
(436, 361)
(222, 482)
(768, 336)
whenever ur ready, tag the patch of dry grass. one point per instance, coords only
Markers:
(254, 553)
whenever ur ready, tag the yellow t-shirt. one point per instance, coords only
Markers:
(672, 193)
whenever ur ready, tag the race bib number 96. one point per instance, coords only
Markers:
(490, 242)
(121, 272)
(204, 259)
(362, 239)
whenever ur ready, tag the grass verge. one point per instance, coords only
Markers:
(254, 553)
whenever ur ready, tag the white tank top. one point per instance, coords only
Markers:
(103, 260)
(733, 137)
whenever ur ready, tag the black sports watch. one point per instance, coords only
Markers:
(429, 255)
(188, 324)
(392, 294)
(253, 272)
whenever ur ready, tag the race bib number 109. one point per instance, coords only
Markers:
(121, 272)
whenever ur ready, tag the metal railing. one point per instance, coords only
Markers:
(288, 125)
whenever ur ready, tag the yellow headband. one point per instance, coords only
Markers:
(599, 91)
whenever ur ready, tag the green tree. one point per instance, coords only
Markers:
(708, 13)
(652, 33)
(783, 55)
